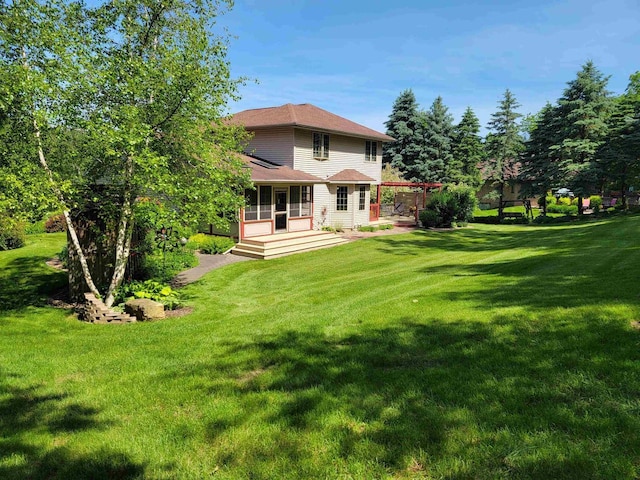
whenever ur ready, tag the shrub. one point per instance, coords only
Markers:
(12, 233)
(563, 201)
(35, 227)
(210, 244)
(563, 209)
(63, 256)
(366, 228)
(55, 223)
(150, 289)
(386, 226)
(454, 204)
(430, 218)
(595, 202)
(163, 268)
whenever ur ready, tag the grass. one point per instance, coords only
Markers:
(487, 352)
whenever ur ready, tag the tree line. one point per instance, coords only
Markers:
(588, 141)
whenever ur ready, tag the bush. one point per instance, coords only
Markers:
(595, 203)
(150, 289)
(163, 268)
(455, 204)
(210, 244)
(55, 223)
(386, 226)
(12, 233)
(63, 256)
(366, 228)
(563, 201)
(35, 227)
(430, 218)
(563, 209)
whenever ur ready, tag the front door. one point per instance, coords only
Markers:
(281, 209)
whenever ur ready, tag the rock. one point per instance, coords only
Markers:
(144, 309)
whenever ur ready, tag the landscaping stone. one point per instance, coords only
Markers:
(144, 309)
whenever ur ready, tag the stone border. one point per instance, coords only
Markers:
(95, 311)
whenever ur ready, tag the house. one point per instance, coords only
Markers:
(311, 169)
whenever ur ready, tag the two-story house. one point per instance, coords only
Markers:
(311, 169)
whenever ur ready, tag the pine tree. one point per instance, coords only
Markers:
(468, 151)
(619, 157)
(504, 145)
(403, 125)
(436, 154)
(583, 110)
(539, 163)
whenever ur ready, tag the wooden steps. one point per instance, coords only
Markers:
(273, 246)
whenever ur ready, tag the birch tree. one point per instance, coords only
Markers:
(141, 87)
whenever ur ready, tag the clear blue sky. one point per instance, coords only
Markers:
(355, 57)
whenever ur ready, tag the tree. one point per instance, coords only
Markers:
(504, 145)
(619, 156)
(138, 89)
(435, 156)
(539, 162)
(582, 112)
(403, 126)
(468, 151)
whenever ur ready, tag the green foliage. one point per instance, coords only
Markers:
(367, 228)
(55, 223)
(150, 289)
(404, 126)
(455, 204)
(385, 226)
(391, 174)
(12, 233)
(595, 203)
(63, 256)
(163, 267)
(564, 207)
(564, 201)
(210, 244)
(435, 158)
(468, 151)
(33, 228)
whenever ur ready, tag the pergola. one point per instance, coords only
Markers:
(375, 208)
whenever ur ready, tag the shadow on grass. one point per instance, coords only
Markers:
(27, 413)
(28, 281)
(513, 399)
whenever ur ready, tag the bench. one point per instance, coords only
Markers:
(512, 215)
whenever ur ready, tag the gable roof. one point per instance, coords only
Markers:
(305, 116)
(265, 171)
(349, 175)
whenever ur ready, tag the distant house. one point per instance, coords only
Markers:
(311, 169)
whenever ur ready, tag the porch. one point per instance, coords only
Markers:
(281, 244)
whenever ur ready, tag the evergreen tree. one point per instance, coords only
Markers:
(619, 157)
(403, 125)
(539, 162)
(436, 154)
(468, 151)
(504, 145)
(582, 111)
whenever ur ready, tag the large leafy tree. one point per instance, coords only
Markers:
(124, 101)
(468, 151)
(436, 154)
(504, 145)
(583, 110)
(404, 126)
(619, 156)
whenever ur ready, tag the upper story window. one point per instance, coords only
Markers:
(370, 151)
(320, 145)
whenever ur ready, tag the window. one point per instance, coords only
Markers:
(251, 208)
(320, 145)
(265, 203)
(370, 151)
(341, 199)
(300, 201)
(294, 201)
(307, 199)
(363, 197)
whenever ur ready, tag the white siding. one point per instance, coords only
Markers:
(274, 144)
(344, 152)
(323, 205)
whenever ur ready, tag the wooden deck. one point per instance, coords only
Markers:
(278, 245)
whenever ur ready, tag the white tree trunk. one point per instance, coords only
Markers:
(72, 231)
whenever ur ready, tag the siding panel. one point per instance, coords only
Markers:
(274, 144)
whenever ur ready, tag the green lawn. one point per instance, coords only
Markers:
(487, 352)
